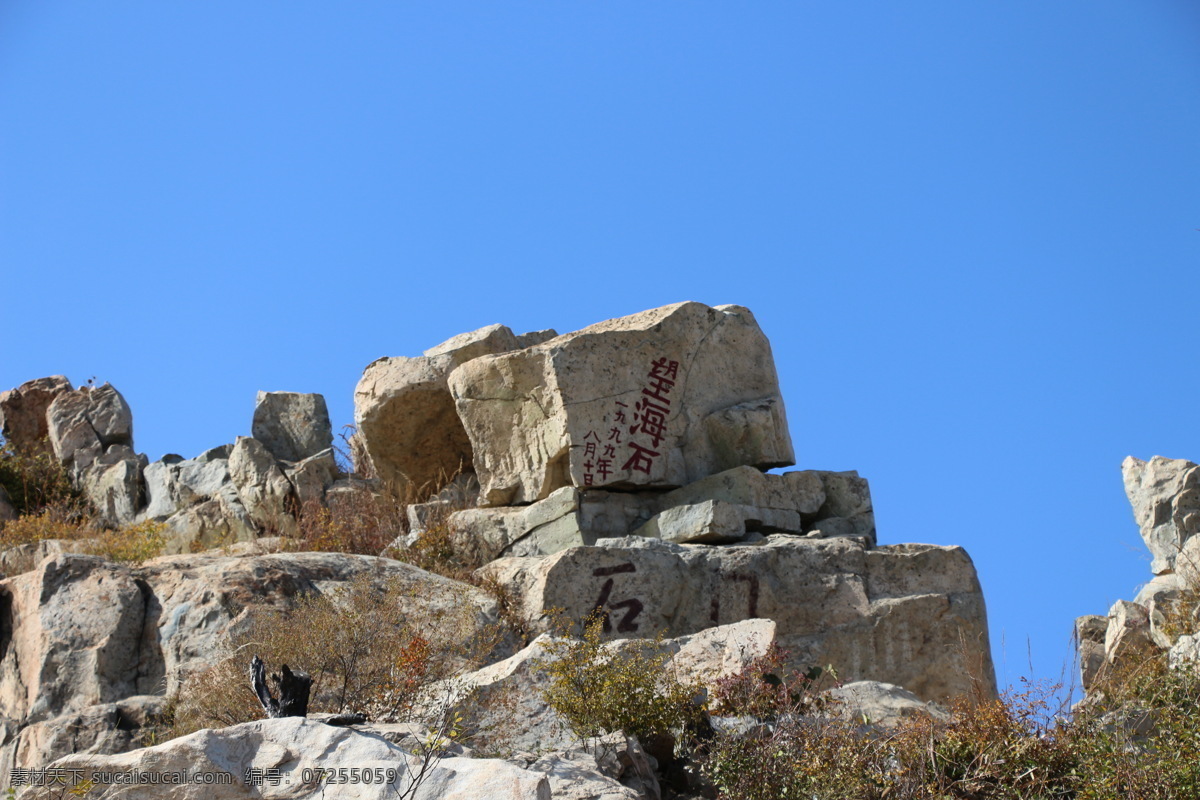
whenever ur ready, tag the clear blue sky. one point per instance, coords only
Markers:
(968, 228)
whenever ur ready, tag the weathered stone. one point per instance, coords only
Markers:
(616, 514)
(507, 704)
(1168, 605)
(715, 653)
(882, 705)
(102, 729)
(291, 425)
(264, 490)
(1185, 653)
(801, 492)
(295, 747)
(1090, 632)
(217, 522)
(585, 774)
(84, 423)
(912, 615)
(173, 483)
(1187, 564)
(536, 337)
(406, 416)
(1165, 495)
(194, 600)
(1128, 632)
(312, 477)
(23, 419)
(532, 413)
(113, 484)
(710, 521)
(24, 557)
(72, 632)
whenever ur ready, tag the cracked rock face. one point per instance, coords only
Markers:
(906, 614)
(23, 410)
(657, 399)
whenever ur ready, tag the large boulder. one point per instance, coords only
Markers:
(292, 426)
(277, 759)
(911, 615)
(23, 411)
(406, 416)
(1165, 495)
(656, 399)
(86, 422)
(70, 636)
(265, 491)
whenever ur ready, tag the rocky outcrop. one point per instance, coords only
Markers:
(23, 421)
(78, 633)
(1161, 619)
(405, 413)
(1165, 494)
(906, 614)
(661, 398)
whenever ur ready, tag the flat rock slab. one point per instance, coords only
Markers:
(657, 399)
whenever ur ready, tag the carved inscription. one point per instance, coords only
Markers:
(633, 607)
(751, 582)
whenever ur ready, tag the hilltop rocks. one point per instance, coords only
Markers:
(23, 411)
(87, 422)
(660, 398)
(906, 614)
(405, 414)
(292, 426)
(1165, 494)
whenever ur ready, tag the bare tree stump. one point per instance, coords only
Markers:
(293, 690)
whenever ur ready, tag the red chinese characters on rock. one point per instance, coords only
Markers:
(651, 415)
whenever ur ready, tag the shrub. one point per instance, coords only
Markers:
(35, 480)
(622, 686)
(370, 646)
(130, 543)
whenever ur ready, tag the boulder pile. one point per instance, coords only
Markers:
(1165, 495)
(630, 469)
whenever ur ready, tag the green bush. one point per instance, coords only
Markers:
(622, 686)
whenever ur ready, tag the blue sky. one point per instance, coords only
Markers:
(968, 228)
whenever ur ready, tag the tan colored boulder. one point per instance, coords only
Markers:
(86, 422)
(264, 490)
(23, 419)
(291, 425)
(312, 477)
(406, 416)
(656, 399)
(76, 626)
(1165, 495)
(1128, 633)
(113, 484)
(1090, 632)
(102, 729)
(912, 615)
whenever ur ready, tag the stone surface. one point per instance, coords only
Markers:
(1128, 632)
(101, 729)
(710, 655)
(113, 484)
(677, 393)
(312, 477)
(265, 491)
(1165, 495)
(23, 419)
(291, 425)
(85, 422)
(912, 615)
(882, 705)
(71, 637)
(406, 416)
(293, 745)
(710, 521)
(1090, 632)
